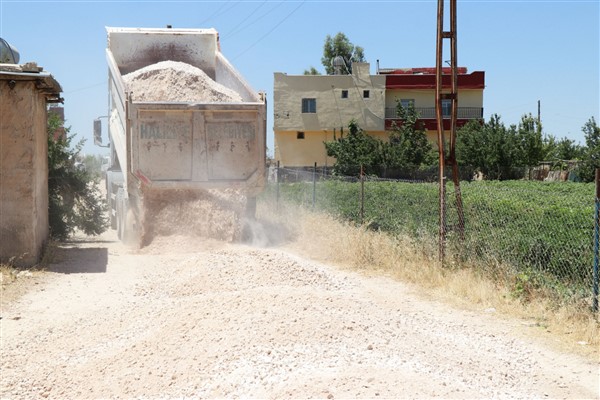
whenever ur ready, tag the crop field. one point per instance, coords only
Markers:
(536, 234)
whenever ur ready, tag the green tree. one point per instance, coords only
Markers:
(591, 157)
(409, 147)
(489, 147)
(407, 150)
(500, 152)
(563, 149)
(92, 164)
(73, 196)
(340, 45)
(311, 71)
(530, 146)
(354, 150)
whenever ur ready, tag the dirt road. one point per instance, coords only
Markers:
(200, 319)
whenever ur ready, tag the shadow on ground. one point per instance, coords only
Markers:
(75, 260)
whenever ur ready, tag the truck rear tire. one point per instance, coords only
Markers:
(109, 194)
(127, 230)
(120, 217)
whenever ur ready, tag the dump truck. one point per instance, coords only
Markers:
(187, 136)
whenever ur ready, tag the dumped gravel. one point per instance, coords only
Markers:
(169, 81)
(184, 318)
(210, 213)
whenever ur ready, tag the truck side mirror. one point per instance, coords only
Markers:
(97, 132)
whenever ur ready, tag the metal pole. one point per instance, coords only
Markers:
(452, 156)
(453, 77)
(440, 127)
(314, 185)
(596, 242)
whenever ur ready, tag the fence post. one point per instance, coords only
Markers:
(278, 177)
(362, 195)
(314, 186)
(596, 241)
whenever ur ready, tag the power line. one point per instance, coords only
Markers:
(269, 32)
(239, 27)
(217, 12)
(86, 87)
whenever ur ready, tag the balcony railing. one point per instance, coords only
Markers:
(429, 112)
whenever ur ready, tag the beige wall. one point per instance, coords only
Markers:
(23, 173)
(293, 152)
(333, 111)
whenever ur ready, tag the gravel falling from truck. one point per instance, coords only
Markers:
(210, 213)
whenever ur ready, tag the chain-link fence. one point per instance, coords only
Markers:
(536, 235)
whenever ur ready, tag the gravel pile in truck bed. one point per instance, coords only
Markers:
(168, 81)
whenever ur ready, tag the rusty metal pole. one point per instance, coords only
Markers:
(450, 158)
(596, 244)
(454, 96)
(440, 128)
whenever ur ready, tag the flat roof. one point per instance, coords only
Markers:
(44, 81)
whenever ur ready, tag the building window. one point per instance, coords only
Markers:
(407, 103)
(366, 94)
(300, 135)
(309, 105)
(344, 94)
(446, 107)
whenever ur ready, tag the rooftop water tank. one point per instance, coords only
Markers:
(8, 53)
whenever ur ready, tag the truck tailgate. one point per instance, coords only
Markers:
(203, 144)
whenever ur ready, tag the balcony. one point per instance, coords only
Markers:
(427, 116)
(429, 112)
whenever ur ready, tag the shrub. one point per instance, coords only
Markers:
(74, 201)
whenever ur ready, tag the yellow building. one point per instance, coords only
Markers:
(312, 109)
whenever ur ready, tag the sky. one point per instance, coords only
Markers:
(530, 50)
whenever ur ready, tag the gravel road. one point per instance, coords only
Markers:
(201, 319)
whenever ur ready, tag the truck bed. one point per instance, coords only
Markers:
(182, 147)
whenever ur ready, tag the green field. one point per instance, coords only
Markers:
(542, 229)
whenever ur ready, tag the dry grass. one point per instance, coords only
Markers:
(323, 238)
(7, 275)
(15, 281)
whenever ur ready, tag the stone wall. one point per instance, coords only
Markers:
(23, 172)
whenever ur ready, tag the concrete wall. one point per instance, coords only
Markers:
(23, 173)
(333, 111)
